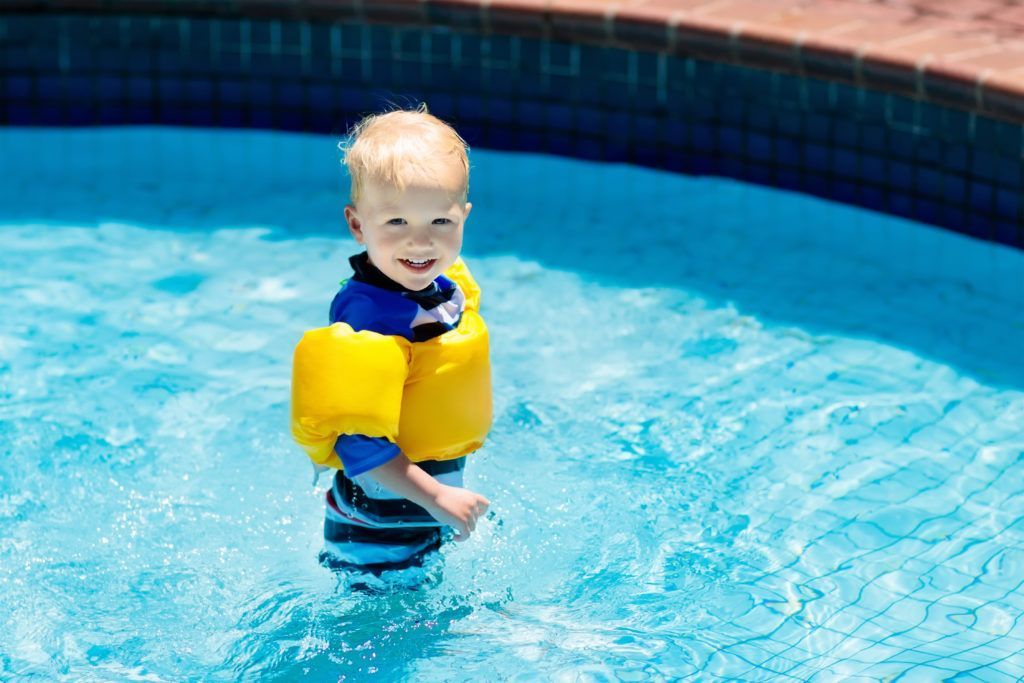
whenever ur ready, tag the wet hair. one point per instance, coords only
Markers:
(403, 147)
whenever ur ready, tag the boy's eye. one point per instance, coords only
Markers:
(396, 221)
(442, 221)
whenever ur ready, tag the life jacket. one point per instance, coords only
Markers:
(432, 398)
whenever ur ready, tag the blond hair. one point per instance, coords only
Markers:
(401, 148)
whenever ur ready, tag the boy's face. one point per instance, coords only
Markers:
(412, 235)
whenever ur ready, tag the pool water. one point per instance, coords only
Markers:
(739, 433)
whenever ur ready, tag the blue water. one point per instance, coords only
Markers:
(739, 433)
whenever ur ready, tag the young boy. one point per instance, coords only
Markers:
(396, 391)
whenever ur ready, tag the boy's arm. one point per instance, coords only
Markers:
(457, 507)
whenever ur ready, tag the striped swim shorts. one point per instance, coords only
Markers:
(371, 527)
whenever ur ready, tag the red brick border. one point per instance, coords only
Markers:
(966, 54)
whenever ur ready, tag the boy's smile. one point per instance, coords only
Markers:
(411, 234)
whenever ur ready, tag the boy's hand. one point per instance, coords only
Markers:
(458, 508)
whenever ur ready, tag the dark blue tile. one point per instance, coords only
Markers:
(902, 144)
(678, 161)
(293, 94)
(676, 133)
(760, 147)
(588, 148)
(528, 141)
(407, 72)
(615, 64)
(873, 197)
(320, 96)
(731, 166)
(760, 174)
(530, 85)
(758, 84)
(761, 118)
(955, 157)
(816, 157)
(903, 110)
(140, 89)
(704, 138)
(873, 138)
(985, 164)
(954, 217)
(559, 144)
(816, 184)
(845, 191)
(647, 127)
(501, 110)
(646, 155)
(198, 90)
(900, 175)
(1007, 203)
(872, 167)
(647, 67)
(704, 110)
(591, 62)
(929, 211)
(19, 88)
(847, 133)
(732, 110)
(615, 150)
(730, 141)
(789, 152)
(929, 182)
(954, 188)
(928, 150)
(591, 121)
(500, 137)
(1009, 170)
(109, 88)
(232, 117)
(261, 93)
(20, 114)
(617, 125)
(788, 179)
(819, 95)
(110, 114)
(499, 81)
(559, 117)
(1009, 233)
(472, 133)
(286, 119)
(901, 205)
(980, 196)
(790, 123)
(168, 61)
(561, 87)
(139, 113)
(845, 162)
(980, 225)
(50, 115)
(645, 99)
(471, 107)
(79, 115)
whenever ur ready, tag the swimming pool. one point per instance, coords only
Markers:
(739, 433)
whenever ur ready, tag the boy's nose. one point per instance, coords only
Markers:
(417, 237)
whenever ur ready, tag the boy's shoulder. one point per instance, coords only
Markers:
(365, 307)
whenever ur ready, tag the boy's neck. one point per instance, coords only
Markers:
(370, 274)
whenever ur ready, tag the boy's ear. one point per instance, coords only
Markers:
(355, 226)
(469, 207)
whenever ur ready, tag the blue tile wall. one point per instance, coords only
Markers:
(948, 167)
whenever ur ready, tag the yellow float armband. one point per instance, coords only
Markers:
(346, 382)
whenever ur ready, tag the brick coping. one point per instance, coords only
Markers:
(965, 54)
